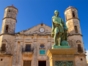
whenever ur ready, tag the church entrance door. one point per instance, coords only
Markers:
(41, 63)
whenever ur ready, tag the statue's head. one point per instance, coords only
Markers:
(56, 12)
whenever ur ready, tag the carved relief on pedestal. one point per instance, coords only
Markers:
(64, 63)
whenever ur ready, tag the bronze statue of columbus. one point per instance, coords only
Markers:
(59, 29)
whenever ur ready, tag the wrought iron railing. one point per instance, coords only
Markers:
(25, 50)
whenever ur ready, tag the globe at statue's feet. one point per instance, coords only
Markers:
(64, 44)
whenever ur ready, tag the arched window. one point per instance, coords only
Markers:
(80, 50)
(42, 46)
(28, 48)
(6, 28)
(3, 48)
(76, 29)
(9, 10)
(73, 14)
(78, 41)
(42, 49)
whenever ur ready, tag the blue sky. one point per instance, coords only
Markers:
(34, 12)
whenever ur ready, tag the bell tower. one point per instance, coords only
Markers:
(72, 21)
(74, 30)
(8, 30)
(74, 35)
(7, 36)
(9, 20)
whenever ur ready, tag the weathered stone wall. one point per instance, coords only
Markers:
(9, 40)
(35, 42)
(1, 41)
(11, 25)
(80, 61)
(10, 12)
(5, 60)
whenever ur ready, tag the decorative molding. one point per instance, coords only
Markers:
(73, 18)
(80, 54)
(75, 34)
(78, 41)
(7, 34)
(4, 54)
(10, 18)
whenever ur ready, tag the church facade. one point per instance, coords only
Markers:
(29, 47)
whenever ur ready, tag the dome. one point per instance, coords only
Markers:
(12, 6)
(70, 7)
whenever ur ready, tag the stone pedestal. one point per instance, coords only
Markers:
(62, 57)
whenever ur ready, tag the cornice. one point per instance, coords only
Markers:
(4, 54)
(9, 18)
(74, 34)
(7, 34)
(81, 54)
(73, 18)
(34, 34)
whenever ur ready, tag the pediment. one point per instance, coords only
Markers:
(39, 29)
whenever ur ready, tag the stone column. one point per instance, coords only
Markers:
(14, 62)
(34, 60)
(47, 61)
(17, 55)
